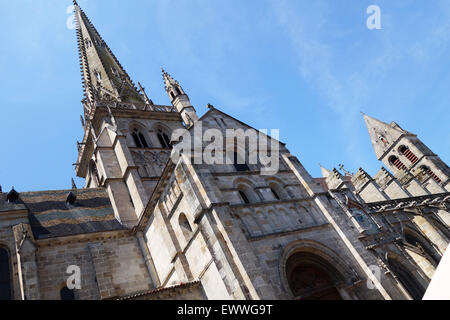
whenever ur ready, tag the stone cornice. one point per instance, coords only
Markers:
(288, 232)
(177, 289)
(407, 203)
(269, 203)
(85, 237)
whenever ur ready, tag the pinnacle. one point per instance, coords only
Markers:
(325, 171)
(87, 32)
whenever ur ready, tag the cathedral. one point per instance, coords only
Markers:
(145, 227)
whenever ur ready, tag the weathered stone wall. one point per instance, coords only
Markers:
(109, 267)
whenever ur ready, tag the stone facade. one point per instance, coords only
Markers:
(147, 227)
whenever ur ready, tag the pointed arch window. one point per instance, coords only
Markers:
(185, 226)
(139, 139)
(178, 91)
(5, 275)
(163, 138)
(98, 75)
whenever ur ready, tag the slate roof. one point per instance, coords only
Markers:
(50, 216)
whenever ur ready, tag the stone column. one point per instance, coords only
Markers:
(148, 260)
(26, 260)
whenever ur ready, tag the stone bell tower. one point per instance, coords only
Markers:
(126, 142)
(407, 156)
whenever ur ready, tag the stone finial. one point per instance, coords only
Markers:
(71, 198)
(325, 171)
(12, 196)
(168, 80)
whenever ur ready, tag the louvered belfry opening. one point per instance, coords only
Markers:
(397, 163)
(431, 173)
(408, 154)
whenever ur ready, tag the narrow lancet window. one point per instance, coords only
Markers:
(163, 139)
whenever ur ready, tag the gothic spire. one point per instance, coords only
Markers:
(169, 82)
(383, 135)
(104, 78)
(179, 99)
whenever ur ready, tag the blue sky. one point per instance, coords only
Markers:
(305, 67)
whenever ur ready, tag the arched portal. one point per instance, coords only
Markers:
(407, 279)
(311, 277)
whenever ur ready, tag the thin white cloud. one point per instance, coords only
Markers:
(351, 86)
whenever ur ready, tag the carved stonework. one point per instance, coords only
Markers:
(151, 163)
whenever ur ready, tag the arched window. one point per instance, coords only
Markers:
(67, 294)
(244, 197)
(393, 160)
(407, 279)
(5, 276)
(275, 194)
(98, 75)
(239, 164)
(178, 91)
(139, 139)
(247, 193)
(163, 138)
(408, 154)
(185, 226)
(430, 173)
(172, 95)
(416, 241)
(278, 192)
(311, 277)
